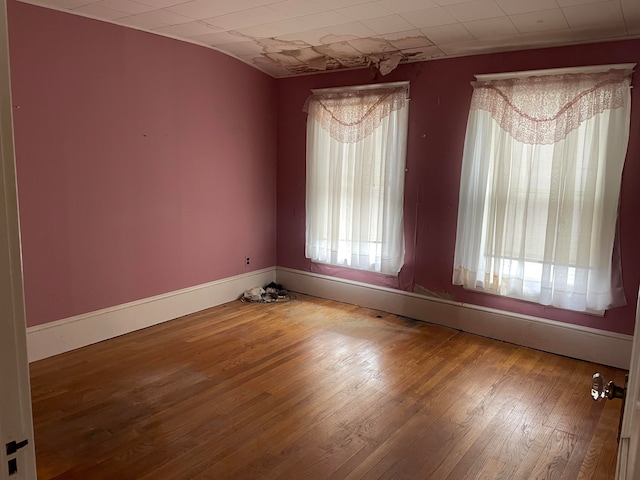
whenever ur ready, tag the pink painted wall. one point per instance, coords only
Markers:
(145, 165)
(440, 96)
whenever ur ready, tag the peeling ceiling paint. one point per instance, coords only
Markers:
(282, 58)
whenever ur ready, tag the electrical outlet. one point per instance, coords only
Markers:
(248, 261)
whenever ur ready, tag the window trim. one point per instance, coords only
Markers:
(483, 77)
(359, 88)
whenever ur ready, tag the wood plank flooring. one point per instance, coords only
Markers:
(314, 389)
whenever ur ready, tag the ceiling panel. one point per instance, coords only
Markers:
(570, 3)
(124, 6)
(491, 27)
(475, 10)
(594, 14)
(514, 7)
(539, 21)
(292, 37)
(444, 34)
(364, 11)
(247, 18)
(154, 19)
(187, 30)
(388, 24)
(297, 8)
(107, 13)
(325, 19)
(430, 17)
(404, 6)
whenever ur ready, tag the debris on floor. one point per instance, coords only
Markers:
(419, 289)
(272, 292)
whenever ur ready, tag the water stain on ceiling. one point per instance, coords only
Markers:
(284, 58)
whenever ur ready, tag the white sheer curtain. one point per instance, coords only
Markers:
(540, 186)
(356, 147)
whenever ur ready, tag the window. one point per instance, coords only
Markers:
(540, 186)
(356, 147)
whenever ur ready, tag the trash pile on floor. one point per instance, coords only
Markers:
(273, 292)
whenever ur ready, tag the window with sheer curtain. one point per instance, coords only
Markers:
(540, 187)
(356, 147)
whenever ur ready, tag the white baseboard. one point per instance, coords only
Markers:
(574, 341)
(70, 333)
(584, 343)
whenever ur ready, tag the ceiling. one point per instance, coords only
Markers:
(292, 37)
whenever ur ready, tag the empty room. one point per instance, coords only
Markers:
(440, 195)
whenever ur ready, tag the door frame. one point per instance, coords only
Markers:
(16, 421)
(628, 466)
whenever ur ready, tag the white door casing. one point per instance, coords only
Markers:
(629, 448)
(16, 422)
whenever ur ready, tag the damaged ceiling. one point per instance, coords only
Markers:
(293, 37)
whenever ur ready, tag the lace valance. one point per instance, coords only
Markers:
(351, 116)
(544, 109)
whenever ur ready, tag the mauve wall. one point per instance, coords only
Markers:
(145, 165)
(440, 96)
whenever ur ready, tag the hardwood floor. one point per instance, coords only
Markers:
(314, 389)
